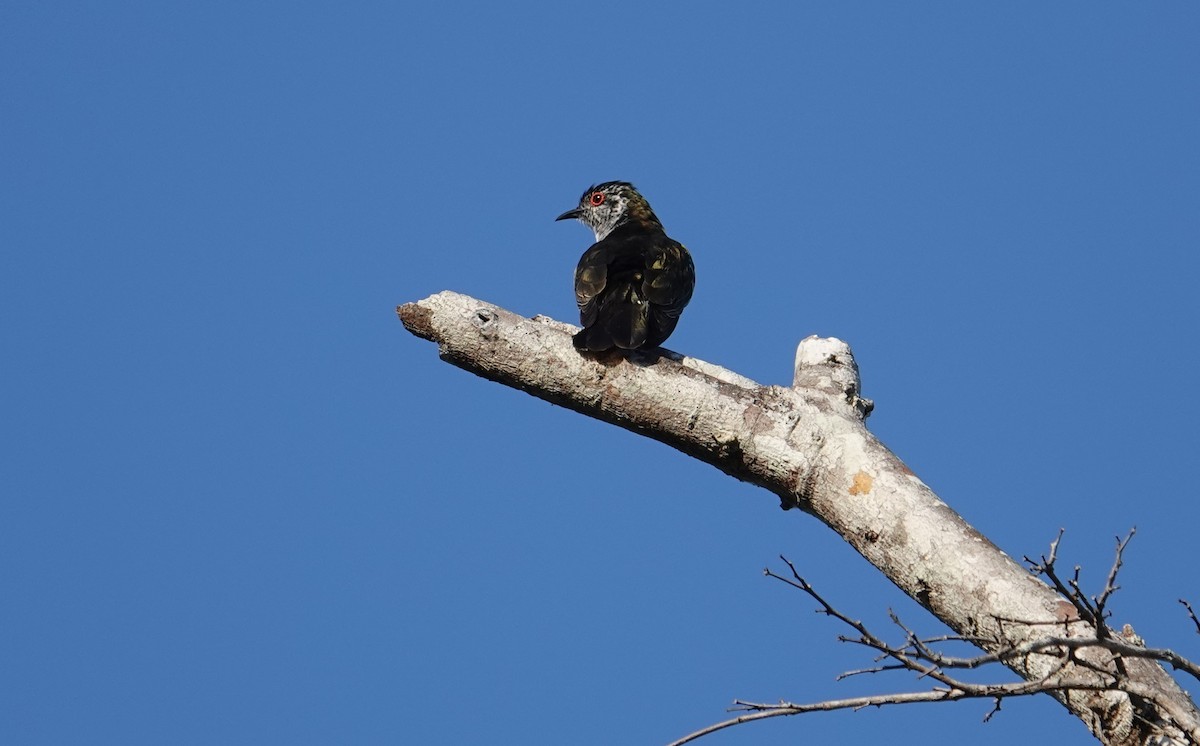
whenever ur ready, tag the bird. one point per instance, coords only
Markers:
(632, 284)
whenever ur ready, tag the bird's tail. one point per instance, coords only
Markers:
(623, 321)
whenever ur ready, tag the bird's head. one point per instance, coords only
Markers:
(605, 206)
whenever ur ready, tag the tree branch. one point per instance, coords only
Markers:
(809, 446)
(761, 711)
(917, 655)
(1191, 614)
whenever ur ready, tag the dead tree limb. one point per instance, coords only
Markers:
(921, 656)
(809, 446)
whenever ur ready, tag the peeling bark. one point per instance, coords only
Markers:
(809, 446)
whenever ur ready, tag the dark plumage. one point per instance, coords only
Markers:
(633, 283)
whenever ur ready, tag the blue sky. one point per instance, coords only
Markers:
(242, 505)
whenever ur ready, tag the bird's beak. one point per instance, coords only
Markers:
(569, 215)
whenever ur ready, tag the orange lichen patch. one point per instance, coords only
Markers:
(861, 484)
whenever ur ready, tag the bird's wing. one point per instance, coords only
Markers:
(590, 278)
(670, 277)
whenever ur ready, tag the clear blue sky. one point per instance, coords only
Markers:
(242, 505)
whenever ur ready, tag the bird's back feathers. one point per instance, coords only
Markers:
(631, 288)
(633, 283)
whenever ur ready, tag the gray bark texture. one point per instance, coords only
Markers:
(808, 444)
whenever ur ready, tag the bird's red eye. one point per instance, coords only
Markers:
(596, 199)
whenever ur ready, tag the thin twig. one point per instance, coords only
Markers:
(1191, 613)
(762, 711)
(1110, 584)
(1070, 589)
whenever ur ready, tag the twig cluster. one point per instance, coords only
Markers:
(1094, 611)
(1076, 667)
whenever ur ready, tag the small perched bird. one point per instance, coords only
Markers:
(633, 283)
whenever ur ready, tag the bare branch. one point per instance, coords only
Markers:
(809, 446)
(1065, 644)
(1068, 590)
(764, 711)
(995, 709)
(1192, 614)
(919, 656)
(1110, 584)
